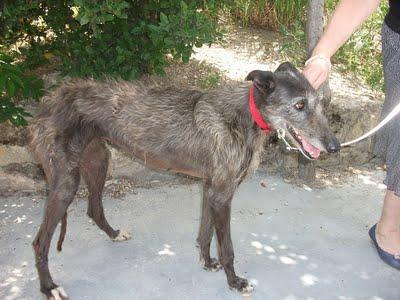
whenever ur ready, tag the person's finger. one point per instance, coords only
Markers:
(319, 82)
(324, 76)
(313, 76)
(316, 78)
(311, 72)
(316, 74)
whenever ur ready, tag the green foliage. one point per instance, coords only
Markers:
(362, 53)
(272, 14)
(13, 85)
(9, 111)
(212, 80)
(291, 13)
(293, 47)
(118, 38)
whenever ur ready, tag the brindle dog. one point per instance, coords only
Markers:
(209, 135)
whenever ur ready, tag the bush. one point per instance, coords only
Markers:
(14, 85)
(117, 38)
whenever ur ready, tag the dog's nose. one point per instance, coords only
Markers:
(333, 146)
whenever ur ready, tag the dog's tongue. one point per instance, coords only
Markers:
(313, 151)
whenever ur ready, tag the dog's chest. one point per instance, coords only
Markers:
(252, 156)
(255, 161)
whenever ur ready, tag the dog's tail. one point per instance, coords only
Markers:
(62, 232)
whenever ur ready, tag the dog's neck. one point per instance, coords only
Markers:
(236, 111)
(255, 112)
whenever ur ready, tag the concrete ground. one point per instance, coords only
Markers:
(291, 242)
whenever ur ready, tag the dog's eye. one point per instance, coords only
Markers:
(300, 105)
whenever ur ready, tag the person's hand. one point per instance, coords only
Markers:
(317, 70)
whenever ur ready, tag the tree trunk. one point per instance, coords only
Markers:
(315, 27)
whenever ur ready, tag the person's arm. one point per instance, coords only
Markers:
(348, 16)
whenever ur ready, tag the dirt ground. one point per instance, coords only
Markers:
(293, 243)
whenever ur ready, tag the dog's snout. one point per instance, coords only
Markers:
(333, 145)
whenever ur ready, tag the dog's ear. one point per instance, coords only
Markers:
(288, 67)
(264, 81)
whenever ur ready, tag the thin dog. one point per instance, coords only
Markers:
(213, 135)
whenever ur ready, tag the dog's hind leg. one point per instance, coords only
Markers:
(63, 183)
(93, 168)
(206, 232)
(220, 198)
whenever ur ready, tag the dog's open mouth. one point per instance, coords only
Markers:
(310, 150)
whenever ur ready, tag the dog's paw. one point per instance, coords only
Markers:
(57, 294)
(241, 285)
(122, 236)
(213, 265)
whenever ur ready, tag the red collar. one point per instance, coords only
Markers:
(255, 113)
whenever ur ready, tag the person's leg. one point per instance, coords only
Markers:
(387, 147)
(388, 227)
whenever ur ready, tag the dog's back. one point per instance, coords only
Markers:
(166, 128)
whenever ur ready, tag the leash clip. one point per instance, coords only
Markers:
(281, 135)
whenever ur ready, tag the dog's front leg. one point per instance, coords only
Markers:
(206, 231)
(220, 208)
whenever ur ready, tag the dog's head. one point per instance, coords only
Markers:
(287, 101)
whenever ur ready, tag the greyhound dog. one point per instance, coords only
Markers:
(217, 136)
